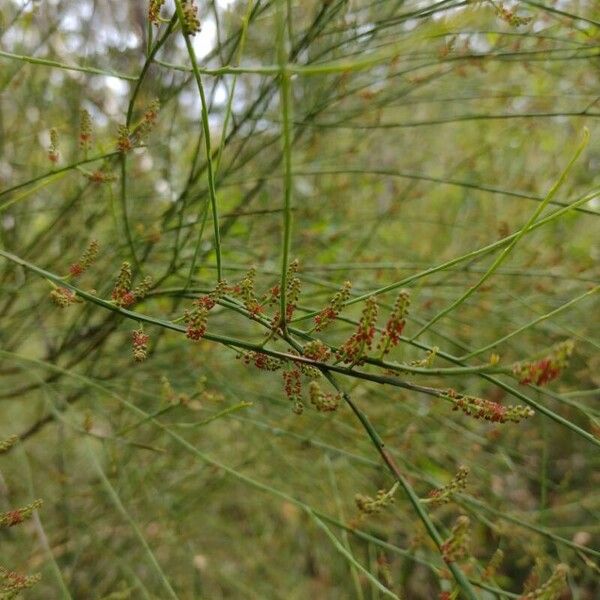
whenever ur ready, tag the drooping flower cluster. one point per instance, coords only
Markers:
(333, 308)
(191, 22)
(99, 176)
(479, 408)
(553, 588)
(63, 297)
(53, 154)
(292, 385)
(443, 495)
(18, 515)
(85, 130)
(456, 547)
(394, 327)
(323, 401)
(546, 369)
(353, 350)
(86, 260)
(368, 505)
(139, 342)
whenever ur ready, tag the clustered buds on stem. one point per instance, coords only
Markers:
(353, 350)
(12, 583)
(86, 260)
(479, 408)
(18, 515)
(323, 401)
(262, 361)
(191, 22)
(394, 327)
(333, 308)
(546, 369)
(63, 297)
(170, 395)
(444, 494)
(139, 341)
(456, 547)
(53, 154)
(368, 505)
(85, 130)
(553, 588)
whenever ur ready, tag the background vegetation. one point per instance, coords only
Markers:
(395, 144)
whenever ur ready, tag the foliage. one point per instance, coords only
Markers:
(388, 210)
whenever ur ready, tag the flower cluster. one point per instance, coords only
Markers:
(8, 443)
(12, 583)
(191, 22)
(63, 297)
(323, 401)
(456, 547)
(394, 327)
(196, 318)
(124, 139)
(154, 10)
(553, 588)
(122, 294)
(444, 494)
(317, 350)
(128, 139)
(479, 408)
(293, 289)
(170, 395)
(353, 349)
(99, 176)
(86, 260)
(18, 515)
(368, 505)
(262, 361)
(511, 18)
(292, 386)
(245, 291)
(494, 564)
(333, 308)
(85, 130)
(53, 154)
(546, 369)
(139, 341)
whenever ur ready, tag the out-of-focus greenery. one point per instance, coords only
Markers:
(401, 135)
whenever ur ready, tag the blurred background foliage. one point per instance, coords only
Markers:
(421, 131)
